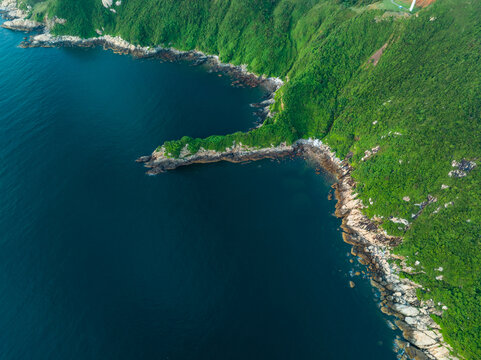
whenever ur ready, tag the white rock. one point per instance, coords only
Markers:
(406, 310)
(399, 221)
(442, 353)
(21, 24)
(369, 153)
(423, 338)
(410, 320)
(457, 173)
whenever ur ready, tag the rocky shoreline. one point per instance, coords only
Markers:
(17, 18)
(423, 339)
(370, 243)
(120, 46)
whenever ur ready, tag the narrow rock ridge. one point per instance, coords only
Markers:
(423, 339)
(22, 25)
(160, 162)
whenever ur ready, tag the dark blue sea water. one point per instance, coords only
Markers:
(100, 261)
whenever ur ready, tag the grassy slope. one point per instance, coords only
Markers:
(426, 87)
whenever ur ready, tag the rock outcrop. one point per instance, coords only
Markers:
(160, 162)
(463, 167)
(22, 25)
(17, 19)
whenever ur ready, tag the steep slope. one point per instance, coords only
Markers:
(421, 104)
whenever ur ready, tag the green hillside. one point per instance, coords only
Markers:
(421, 104)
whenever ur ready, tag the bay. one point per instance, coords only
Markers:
(100, 261)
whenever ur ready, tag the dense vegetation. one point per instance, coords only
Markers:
(421, 104)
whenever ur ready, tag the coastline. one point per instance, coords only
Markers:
(120, 46)
(370, 244)
(422, 336)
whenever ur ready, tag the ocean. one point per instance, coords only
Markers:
(220, 261)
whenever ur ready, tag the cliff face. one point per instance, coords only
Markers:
(400, 124)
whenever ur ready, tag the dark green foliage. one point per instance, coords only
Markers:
(421, 104)
(82, 16)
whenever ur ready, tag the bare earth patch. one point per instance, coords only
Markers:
(424, 3)
(377, 55)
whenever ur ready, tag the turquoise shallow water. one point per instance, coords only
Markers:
(100, 261)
